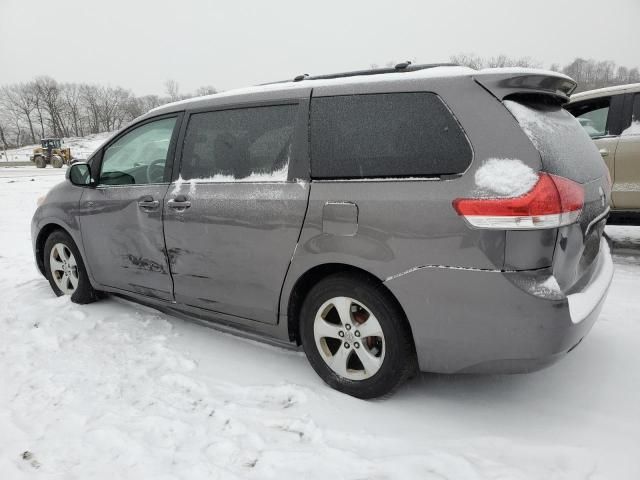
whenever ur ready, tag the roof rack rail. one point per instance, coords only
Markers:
(400, 67)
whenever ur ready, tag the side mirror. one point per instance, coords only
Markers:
(79, 174)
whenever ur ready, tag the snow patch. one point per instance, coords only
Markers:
(583, 303)
(506, 177)
(275, 176)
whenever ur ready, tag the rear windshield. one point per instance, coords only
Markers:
(565, 148)
(385, 135)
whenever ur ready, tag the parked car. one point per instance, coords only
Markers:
(427, 217)
(611, 117)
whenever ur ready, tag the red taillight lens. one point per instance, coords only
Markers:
(552, 202)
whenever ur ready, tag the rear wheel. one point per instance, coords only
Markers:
(56, 161)
(356, 336)
(40, 161)
(65, 269)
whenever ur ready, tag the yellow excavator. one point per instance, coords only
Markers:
(51, 152)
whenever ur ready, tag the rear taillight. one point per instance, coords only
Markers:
(552, 202)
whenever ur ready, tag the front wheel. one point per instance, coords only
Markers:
(56, 161)
(356, 336)
(65, 269)
(40, 162)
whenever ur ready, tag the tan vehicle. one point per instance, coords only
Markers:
(51, 151)
(611, 117)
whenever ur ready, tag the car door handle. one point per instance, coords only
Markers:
(604, 152)
(148, 203)
(179, 203)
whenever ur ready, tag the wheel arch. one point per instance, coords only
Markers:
(41, 239)
(47, 229)
(311, 277)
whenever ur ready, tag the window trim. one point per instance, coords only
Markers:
(99, 155)
(299, 163)
(397, 178)
(614, 117)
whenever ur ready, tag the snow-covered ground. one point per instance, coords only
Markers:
(114, 390)
(81, 147)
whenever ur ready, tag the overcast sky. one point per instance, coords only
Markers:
(140, 44)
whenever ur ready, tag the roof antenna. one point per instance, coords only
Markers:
(300, 77)
(403, 65)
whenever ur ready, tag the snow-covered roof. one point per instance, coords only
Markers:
(631, 87)
(401, 75)
(435, 72)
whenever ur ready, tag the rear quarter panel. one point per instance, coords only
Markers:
(404, 224)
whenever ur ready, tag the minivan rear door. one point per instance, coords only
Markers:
(233, 215)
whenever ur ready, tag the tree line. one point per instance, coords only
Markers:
(589, 73)
(45, 108)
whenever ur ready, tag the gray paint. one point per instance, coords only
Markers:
(234, 256)
(124, 241)
(340, 219)
(230, 250)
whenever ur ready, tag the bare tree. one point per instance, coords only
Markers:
(48, 91)
(172, 89)
(72, 107)
(205, 90)
(19, 100)
(476, 62)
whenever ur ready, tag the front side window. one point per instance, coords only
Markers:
(248, 144)
(593, 116)
(386, 135)
(138, 157)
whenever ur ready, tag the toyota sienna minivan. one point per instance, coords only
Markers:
(418, 218)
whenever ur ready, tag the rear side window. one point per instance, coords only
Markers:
(593, 116)
(386, 135)
(249, 144)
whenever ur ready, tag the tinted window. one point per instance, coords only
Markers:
(385, 135)
(593, 116)
(249, 144)
(138, 156)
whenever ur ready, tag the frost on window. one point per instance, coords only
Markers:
(246, 145)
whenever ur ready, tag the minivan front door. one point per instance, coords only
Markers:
(121, 219)
(233, 219)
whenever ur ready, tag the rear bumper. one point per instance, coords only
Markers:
(477, 321)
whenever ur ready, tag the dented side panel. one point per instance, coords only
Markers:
(230, 250)
(124, 242)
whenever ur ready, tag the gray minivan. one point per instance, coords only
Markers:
(423, 217)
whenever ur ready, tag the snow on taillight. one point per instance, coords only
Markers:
(552, 202)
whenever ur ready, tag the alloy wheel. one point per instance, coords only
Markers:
(64, 268)
(349, 338)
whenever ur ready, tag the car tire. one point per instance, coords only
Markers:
(65, 269)
(340, 347)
